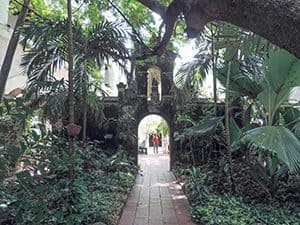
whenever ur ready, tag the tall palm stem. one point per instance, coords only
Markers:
(71, 83)
(85, 110)
(229, 150)
(213, 71)
(85, 106)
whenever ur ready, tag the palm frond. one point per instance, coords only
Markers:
(240, 84)
(282, 70)
(204, 129)
(278, 140)
(106, 40)
(194, 71)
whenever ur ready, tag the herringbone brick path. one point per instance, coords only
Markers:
(156, 198)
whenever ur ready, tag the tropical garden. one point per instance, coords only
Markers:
(237, 152)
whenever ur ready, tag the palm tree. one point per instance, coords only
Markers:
(269, 91)
(281, 75)
(93, 46)
(191, 74)
(220, 43)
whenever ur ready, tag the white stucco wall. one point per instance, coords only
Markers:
(3, 11)
(15, 79)
(295, 95)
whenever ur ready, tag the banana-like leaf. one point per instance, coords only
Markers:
(278, 140)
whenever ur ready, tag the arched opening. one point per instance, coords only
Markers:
(154, 140)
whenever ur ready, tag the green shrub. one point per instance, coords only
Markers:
(226, 210)
(42, 193)
(212, 209)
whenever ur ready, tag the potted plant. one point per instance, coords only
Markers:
(73, 129)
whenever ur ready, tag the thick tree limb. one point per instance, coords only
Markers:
(169, 15)
(155, 7)
(170, 19)
(276, 20)
(137, 36)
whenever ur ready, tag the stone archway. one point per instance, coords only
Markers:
(148, 126)
(141, 114)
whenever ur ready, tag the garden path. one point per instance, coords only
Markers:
(156, 198)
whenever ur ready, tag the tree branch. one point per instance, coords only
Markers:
(155, 7)
(138, 38)
(276, 20)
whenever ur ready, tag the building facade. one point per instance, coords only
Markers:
(16, 78)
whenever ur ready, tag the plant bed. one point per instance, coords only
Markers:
(209, 193)
(42, 193)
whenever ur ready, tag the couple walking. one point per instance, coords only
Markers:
(155, 143)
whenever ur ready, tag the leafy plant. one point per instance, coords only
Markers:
(15, 117)
(41, 193)
(211, 208)
(94, 45)
(267, 92)
(215, 210)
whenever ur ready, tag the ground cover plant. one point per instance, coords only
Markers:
(212, 204)
(36, 189)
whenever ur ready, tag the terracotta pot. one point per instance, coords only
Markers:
(73, 129)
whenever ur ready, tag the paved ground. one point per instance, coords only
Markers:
(156, 199)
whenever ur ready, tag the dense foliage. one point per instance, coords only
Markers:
(248, 153)
(211, 207)
(41, 191)
(239, 158)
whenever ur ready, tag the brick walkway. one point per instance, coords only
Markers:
(156, 199)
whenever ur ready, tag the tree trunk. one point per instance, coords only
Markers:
(227, 127)
(71, 84)
(11, 48)
(85, 110)
(213, 70)
(275, 20)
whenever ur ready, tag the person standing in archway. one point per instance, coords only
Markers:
(155, 143)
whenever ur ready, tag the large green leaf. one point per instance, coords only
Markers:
(278, 140)
(235, 131)
(282, 70)
(272, 100)
(240, 84)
